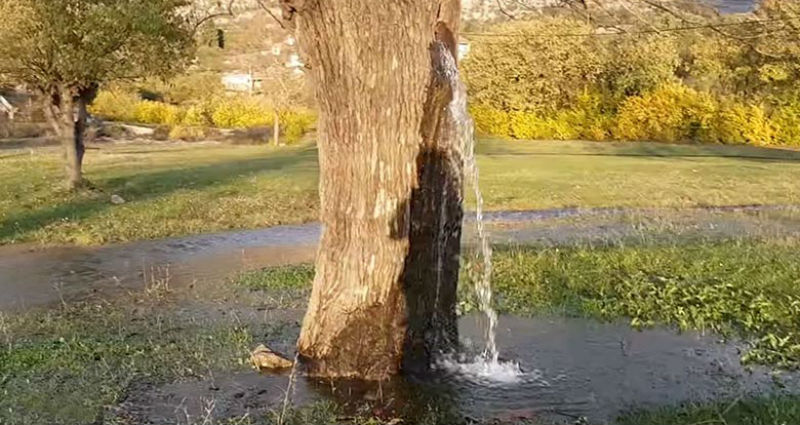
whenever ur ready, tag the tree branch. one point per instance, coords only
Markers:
(227, 12)
(272, 15)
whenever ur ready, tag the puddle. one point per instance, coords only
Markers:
(31, 278)
(570, 368)
(34, 278)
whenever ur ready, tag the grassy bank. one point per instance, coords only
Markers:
(186, 189)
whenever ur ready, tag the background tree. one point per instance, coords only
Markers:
(65, 49)
(284, 83)
(390, 184)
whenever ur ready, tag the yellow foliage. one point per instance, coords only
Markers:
(296, 123)
(150, 112)
(786, 120)
(115, 105)
(671, 113)
(490, 120)
(199, 115)
(242, 112)
(740, 123)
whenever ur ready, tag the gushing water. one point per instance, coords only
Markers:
(486, 365)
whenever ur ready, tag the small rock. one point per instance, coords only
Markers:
(264, 358)
(117, 200)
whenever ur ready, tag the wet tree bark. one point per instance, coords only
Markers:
(67, 112)
(390, 185)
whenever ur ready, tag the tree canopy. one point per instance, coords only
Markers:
(76, 43)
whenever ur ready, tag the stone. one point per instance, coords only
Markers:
(263, 358)
(117, 200)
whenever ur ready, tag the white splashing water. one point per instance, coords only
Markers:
(487, 365)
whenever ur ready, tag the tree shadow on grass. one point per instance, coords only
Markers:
(144, 186)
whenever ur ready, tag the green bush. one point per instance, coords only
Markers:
(528, 72)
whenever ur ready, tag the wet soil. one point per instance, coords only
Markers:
(571, 367)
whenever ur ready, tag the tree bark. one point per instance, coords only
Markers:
(390, 185)
(66, 111)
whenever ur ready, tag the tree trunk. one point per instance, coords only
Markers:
(390, 185)
(276, 129)
(66, 111)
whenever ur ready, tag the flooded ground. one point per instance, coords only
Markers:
(38, 277)
(572, 368)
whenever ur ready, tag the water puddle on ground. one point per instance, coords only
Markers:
(41, 277)
(30, 278)
(567, 368)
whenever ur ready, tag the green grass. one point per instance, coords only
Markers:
(67, 366)
(742, 288)
(784, 410)
(745, 289)
(188, 189)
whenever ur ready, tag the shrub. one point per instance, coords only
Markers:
(586, 120)
(296, 122)
(671, 113)
(149, 112)
(786, 119)
(199, 115)
(489, 120)
(115, 105)
(242, 113)
(187, 134)
(741, 123)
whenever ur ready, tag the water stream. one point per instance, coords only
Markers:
(487, 364)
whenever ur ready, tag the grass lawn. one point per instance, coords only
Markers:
(187, 189)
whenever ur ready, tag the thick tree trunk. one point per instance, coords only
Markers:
(390, 185)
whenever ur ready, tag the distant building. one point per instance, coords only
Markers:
(463, 49)
(6, 108)
(241, 82)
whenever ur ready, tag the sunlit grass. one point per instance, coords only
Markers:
(184, 189)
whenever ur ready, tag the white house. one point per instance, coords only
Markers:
(7, 108)
(241, 82)
(463, 49)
